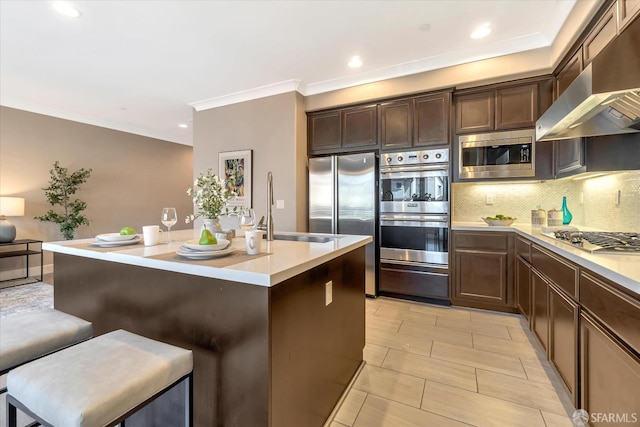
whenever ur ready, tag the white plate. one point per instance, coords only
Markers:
(115, 237)
(105, 244)
(191, 254)
(196, 246)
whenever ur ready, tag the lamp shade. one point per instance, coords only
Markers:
(12, 206)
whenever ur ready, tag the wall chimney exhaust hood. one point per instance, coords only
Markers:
(604, 99)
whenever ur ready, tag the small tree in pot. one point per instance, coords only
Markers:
(61, 187)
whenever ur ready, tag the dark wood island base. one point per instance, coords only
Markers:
(263, 356)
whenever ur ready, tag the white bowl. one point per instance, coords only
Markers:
(196, 246)
(499, 222)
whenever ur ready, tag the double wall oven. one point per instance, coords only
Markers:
(414, 223)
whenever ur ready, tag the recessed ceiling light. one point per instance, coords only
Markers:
(65, 8)
(183, 125)
(482, 31)
(355, 62)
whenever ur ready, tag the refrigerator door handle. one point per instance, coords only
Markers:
(334, 191)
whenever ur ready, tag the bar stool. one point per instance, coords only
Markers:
(28, 336)
(99, 382)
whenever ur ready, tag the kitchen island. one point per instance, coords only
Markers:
(276, 337)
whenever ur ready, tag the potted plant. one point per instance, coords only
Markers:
(62, 186)
(210, 197)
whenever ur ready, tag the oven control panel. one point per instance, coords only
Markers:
(416, 157)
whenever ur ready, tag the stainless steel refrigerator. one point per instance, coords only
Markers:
(343, 200)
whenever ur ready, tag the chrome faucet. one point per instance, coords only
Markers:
(269, 206)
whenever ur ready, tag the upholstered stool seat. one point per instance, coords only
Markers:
(27, 336)
(98, 382)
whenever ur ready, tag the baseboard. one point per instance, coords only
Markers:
(19, 273)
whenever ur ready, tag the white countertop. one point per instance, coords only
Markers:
(285, 260)
(619, 268)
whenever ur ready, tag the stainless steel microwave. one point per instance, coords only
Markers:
(497, 155)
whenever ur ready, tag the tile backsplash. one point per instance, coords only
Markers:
(592, 201)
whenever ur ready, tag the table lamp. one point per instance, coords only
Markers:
(9, 206)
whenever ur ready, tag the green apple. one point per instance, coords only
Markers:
(126, 231)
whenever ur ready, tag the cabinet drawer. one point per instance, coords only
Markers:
(487, 241)
(523, 248)
(426, 284)
(563, 274)
(619, 312)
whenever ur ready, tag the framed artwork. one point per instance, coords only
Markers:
(235, 169)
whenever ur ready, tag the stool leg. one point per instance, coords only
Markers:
(188, 404)
(12, 415)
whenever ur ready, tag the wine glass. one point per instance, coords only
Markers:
(169, 218)
(247, 219)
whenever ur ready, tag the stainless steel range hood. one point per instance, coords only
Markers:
(604, 99)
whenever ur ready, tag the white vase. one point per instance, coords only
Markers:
(212, 224)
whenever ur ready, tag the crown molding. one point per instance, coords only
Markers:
(247, 95)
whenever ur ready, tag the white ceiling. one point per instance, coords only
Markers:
(139, 66)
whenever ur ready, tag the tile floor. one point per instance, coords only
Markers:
(439, 366)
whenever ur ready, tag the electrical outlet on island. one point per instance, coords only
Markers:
(328, 295)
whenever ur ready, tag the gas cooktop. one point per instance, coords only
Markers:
(599, 241)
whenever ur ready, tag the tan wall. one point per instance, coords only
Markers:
(133, 177)
(274, 128)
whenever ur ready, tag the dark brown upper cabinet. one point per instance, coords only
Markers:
(502, 108)
(517, 107)
(569, 157)
(324, 131)
(475, 112)
(567, 74)
(415, 122)
(605, 30)
(359, 127)
(610, 20)
(431, 123)
(396, 124)
(627, 11)
(342, 130)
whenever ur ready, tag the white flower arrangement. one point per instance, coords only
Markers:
(210, 196)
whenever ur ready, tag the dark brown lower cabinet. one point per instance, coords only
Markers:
(482, 275)
(610, 375)
(592, 341)
(563, 338)
(523, 287)
(540, 308)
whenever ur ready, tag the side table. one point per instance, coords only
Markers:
(27, 251)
